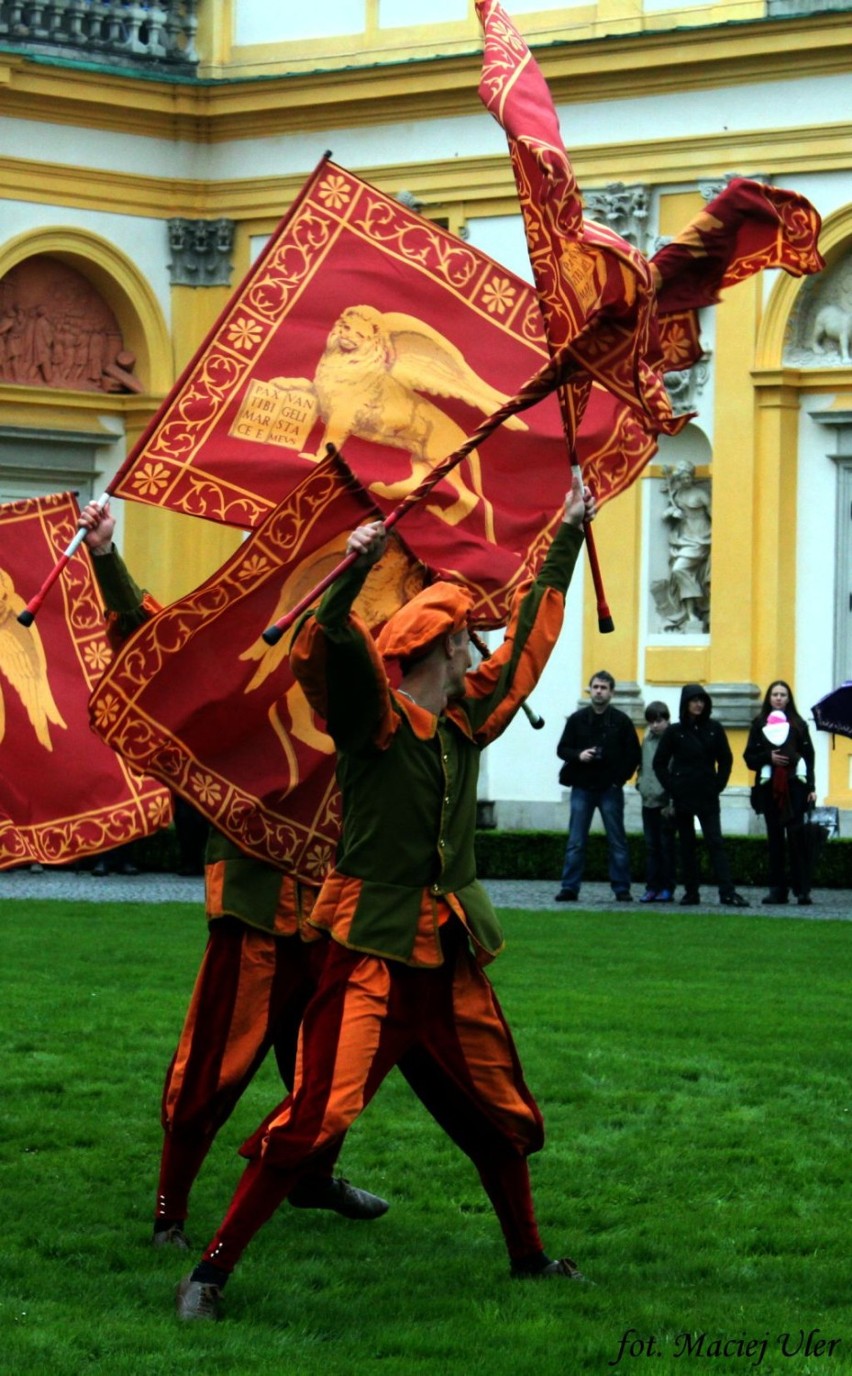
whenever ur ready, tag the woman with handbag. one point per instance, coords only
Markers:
(781, 753)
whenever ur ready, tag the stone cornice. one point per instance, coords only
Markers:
(637, 65)
(481, 186)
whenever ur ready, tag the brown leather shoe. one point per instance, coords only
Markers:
(339, 1196)
(195, 1300)
(174, 1238)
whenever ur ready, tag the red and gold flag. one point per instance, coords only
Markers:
(63, 794)
(748, 227)
(368, 327)
(198, 699)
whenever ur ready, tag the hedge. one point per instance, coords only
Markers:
(539, 855)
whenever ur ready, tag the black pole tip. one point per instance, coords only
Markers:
(273, 635)
(26, 617)
(606, 625)
(537, 724)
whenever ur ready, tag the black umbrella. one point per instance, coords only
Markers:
(834, 711)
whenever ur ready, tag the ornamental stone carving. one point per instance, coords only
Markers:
(714, 187)
(820, 330)
(201, 252)
(623, 209)
(685, 387)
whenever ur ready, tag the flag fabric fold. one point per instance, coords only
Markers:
(748, 227)
(197, 699)
(63, 794)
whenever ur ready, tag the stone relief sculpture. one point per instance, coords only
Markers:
(56, 330)
(820, 330)
(683, 598)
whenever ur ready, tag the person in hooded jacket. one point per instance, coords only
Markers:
(693, 763)
(780, 751)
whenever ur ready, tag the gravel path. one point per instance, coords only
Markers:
(538, 894)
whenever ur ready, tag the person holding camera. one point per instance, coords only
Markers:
(601, 751)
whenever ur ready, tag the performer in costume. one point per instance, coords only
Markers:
(259, 969)
(780, 751)
(410, 925)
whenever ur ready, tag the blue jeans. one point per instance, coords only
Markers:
(610, 803)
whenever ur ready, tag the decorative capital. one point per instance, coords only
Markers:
(201, 252)
(621, 208)
(710, 189)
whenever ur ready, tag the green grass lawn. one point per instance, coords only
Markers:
(694, 1076)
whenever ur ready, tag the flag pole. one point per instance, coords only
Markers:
(30, 611)
(554, 374)
(535, 721)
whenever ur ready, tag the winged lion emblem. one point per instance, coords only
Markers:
(375, 379)
(23, 665)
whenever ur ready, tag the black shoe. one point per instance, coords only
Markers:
(805, 900)
(625, 896)
(339, 1196)
(691, 897)
(99, 870)
(733, 900)
(775, 896)
(565, 896)
(128, 869)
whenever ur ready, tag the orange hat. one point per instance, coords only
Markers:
(441, 609)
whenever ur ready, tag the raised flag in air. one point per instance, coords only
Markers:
(647, 311)
(196, 698)
(63, 794)
(367, 327)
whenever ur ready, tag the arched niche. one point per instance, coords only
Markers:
(118, 282)
(790, 294)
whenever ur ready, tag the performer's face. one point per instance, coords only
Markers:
(779, 697)
(459, 663)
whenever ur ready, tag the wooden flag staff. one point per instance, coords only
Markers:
(556, 373)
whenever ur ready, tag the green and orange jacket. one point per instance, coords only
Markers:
(408, 778)
(235, 884)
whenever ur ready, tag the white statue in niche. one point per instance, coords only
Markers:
(683, 598)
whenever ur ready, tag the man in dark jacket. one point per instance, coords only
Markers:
(693, 763)
(601, 751)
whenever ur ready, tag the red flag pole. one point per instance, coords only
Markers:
(605, 621)
(554, 374)
(28, 615)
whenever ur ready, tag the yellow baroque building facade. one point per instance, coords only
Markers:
(120, 137)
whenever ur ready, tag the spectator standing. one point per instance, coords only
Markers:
(693, 763)
(600, 750)
(657, 813)
(780, 751)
